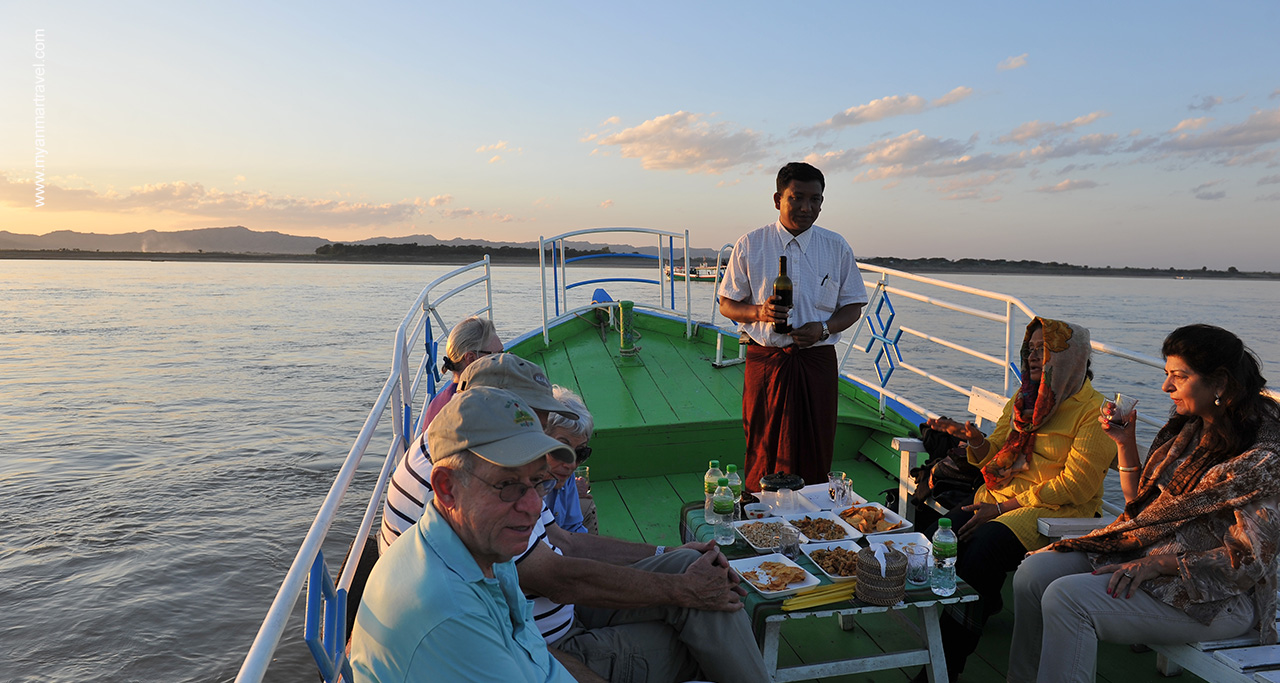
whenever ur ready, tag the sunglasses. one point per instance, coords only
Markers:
(512, 491)
(582, 453)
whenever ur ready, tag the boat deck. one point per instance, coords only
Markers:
(647, 509)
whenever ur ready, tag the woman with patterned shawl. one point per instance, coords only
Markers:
(1193, 557)
(1046, 458)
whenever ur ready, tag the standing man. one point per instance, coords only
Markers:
(444, 603)
(789, 396)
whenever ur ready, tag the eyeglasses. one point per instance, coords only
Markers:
(582, 453)
(512, 491)
(1035, 352)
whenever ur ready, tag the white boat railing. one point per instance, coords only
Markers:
(560, 285)
(398, 394)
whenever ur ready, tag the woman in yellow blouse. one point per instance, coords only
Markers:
(1046, 458)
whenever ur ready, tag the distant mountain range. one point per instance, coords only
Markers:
(242, 240)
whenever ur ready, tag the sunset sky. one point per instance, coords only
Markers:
(1098, 133)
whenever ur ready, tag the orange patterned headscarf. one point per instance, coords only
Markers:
(1066, 361)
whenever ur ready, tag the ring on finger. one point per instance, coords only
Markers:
(1128, 573)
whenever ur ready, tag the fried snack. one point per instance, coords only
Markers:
(761, 534)
(777, 576)
(836, 561)
(868, 519)
(820, 529)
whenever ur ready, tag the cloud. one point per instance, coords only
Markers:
(606, 204)
(686, 141)
(1273, 197)
(1067, 186)
(886, 107)
(1205, 186)
(1211, 196)
(728, 183)
(1269, 180)
(911, 148)
(1261, 128)
(1204, 103)
(501, 144)
(967, 194)
(611, 121)
(1011, 63)
(969, 183)
(1191, 124)
(495, 159)
(1039, 130)
(240, 206)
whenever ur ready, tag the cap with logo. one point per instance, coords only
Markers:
(511, 372)
(496, 425)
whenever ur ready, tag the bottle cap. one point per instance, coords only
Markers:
(724, 481)
(731, 468)
(944, 523)
(713, 465)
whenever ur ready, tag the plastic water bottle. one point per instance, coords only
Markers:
(722, 507)
(943, 577)
(735, 485)
(709, 482)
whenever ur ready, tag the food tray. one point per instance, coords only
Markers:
(891, 516)
(852, 533)
(776, 507)
(851, 546)
(820, 496)
(900, 539)
(737, 526)
(748, 564)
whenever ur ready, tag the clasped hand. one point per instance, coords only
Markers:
(710, 582)
(804, 336)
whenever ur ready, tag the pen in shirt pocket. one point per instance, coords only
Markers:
(824, 279)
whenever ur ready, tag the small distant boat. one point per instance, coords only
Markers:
(702, 273)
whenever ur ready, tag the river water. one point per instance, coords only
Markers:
(169, 429)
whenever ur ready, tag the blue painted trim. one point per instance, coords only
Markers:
(327, 643)
(591, 256)
(611, 279)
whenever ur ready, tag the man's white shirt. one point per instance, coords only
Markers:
(823, 270)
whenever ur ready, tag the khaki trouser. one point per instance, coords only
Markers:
(1060, 603)
(665, 644)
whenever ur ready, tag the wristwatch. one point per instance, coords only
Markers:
(826, 331)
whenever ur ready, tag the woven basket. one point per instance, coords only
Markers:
(881, 590)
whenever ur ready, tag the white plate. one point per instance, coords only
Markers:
(847, 545)
(852, 533)
(903, 525)
(820, 496)
(737, 526)
(900, 539)
(748, 564)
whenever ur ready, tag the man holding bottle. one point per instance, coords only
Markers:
(789, 396)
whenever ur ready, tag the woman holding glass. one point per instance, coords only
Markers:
(1046, 458)
(1193, 557)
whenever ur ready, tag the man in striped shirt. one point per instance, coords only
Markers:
(789, 396)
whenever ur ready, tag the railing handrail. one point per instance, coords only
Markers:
(273, 625)
(560, 273)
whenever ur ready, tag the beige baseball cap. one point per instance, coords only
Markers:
(496, 425)
(522, 377)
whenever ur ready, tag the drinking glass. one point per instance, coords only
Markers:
(839, 487)
(788, 542)
(582, 477)
(918, 558)
(1119, 411)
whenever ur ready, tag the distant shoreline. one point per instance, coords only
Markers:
(922, 265)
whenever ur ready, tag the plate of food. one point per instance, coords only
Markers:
(838, 560)
(873, 518)
(823, 527)
(761, 533)
(773, 575)
(898, 540)
(820, 496)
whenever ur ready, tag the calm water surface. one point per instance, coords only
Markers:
(168, 431)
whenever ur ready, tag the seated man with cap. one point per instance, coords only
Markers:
(444, 602)
(410, 488)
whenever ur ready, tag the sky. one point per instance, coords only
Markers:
(1096, 133)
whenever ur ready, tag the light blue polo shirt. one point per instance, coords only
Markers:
(429, 614)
